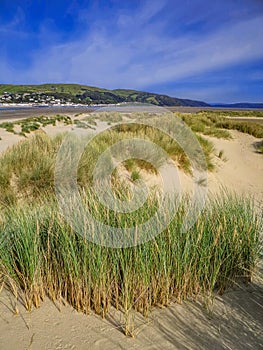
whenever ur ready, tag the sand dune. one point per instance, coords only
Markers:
(241, 167)
(234, 322)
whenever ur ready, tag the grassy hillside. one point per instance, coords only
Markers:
(89, 94)
(72, 89)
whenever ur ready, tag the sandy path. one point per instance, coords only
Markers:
(241, 167)
(8, 139)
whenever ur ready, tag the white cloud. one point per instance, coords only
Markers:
(14, 24)
(138, 57)
(232, 45)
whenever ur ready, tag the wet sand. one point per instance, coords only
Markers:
(22, 113)
(25, 112)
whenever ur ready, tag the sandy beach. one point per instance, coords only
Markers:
(234, 321)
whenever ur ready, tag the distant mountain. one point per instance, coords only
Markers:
(88, 95)
(75, 93)
(239, 105)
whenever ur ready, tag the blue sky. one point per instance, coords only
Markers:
(199, 49)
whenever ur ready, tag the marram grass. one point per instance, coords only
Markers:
(27, 169)
(40, 255)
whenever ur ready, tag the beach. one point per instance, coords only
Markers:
(234, 321)
(231, 321)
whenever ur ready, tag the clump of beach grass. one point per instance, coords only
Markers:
(204, 125)
(34, 123)
(82, 124)
(43, 256)
(250, 128)
(217, 123)
(232, 113)
(222, 120)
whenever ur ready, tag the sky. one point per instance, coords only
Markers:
(209, 50)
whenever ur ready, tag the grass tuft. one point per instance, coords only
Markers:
(42, 255)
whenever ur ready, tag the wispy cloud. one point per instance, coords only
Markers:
(146, 59)
(145, 46)
(234, 44)
(13, 25)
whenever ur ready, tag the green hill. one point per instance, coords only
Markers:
(91, 95)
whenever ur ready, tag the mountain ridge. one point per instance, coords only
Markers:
(238, 105)
(84, 94)
(90, 95)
